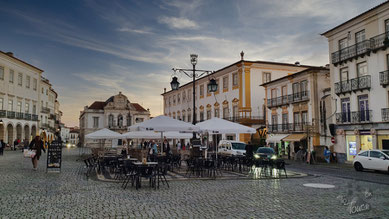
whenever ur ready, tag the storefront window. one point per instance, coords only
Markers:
(351, 147)
(366, 142)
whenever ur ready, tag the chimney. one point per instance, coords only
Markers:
(164, 90)
(297, 63)
(10, 54)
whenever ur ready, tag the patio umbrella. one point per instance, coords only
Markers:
(163, 124)
(156, 135)
(103, 134)
(222, 126)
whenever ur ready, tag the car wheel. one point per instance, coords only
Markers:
(358, 166)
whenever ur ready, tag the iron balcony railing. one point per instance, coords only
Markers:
(27, 116)
(34, 117)
(3, 113)
(384, 78)
(45, 110)
(351, 51)
(288, 99)
(354, 117)
(10, 114)
(239, 119)
(373, 44)
(19, 115)
(287, 127)
(385, 114)
(355, 84)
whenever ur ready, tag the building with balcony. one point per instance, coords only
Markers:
(74, 135)
(22, 100)
(296, 107)
(116, 114)
(239, 97)
(359, 57)
(19, 98)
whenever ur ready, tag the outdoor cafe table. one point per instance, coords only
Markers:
(141, 168)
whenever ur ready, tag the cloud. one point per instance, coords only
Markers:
(131, 30)
(178, 22)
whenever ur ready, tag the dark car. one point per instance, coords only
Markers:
(265, 153)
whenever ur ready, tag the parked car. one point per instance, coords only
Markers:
(231, 148)
(265, 153)
(70, 145)
(372, 160)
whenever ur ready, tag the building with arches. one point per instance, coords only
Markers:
(239, 97)
(116, 114)
(22, 100)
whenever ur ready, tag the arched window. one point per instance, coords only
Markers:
(129, 120)
(120, 121)
(110, 121)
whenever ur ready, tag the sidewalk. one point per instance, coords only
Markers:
(322, 164)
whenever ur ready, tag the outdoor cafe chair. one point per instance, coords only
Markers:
(130, 174)
(147, 172)
(161, 171)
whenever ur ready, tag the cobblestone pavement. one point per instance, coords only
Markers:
(341, 171)
(25, 193)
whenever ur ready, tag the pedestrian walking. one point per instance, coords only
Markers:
(16, 142)
(37, 145)
(327, 154)
(2, 146)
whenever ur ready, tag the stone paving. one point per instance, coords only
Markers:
(25, 193)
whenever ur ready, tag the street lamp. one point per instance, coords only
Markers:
(193, 73)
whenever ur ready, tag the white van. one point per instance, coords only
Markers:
(228, 148)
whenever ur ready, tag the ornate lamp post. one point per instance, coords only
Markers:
(193, 73)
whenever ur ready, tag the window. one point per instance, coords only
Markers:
(128, 120)
(386, 25)
(365, 154)
(225, 112)
(27, 108)
(225, 83)
(110, 121)
(1, 103)
(174, 99)
(95, 122)
(46, 92)
(1, 73)
(11, 76)
(362, 69)
(284, 118)
(235, 112)
(344, 74)
(296, 118)
(284, 90)
(10, 105)
(343, 43)
(218, 85)
(296, 90)
(363, 101)
(183, 96)
(178, 98)
(217, 112)
(19, 107)
(189, 95)
(42, 90)
(34, 84)
(304, 117)
(360, 36)
(27, 81)
(170, 103)
(20, 79)
(274, 93)
(189, 117)
(274, 119)
(201, 116)
(235, 79)
(376, 154)
(346, 113)
(120, 121)
(34, 109)
(209, 114)
(266, 77)
(201, 90)
(304, 88)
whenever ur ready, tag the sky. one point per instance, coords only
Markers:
(92, 49)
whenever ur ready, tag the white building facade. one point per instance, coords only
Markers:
(359, 58)
(116, 114)
(20, 99)
(239, 97)
(297, 107)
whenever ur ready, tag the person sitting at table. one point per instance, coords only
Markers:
(166, 146)
(124, 151)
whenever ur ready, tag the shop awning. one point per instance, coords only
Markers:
(275, 138)
(295, 137)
